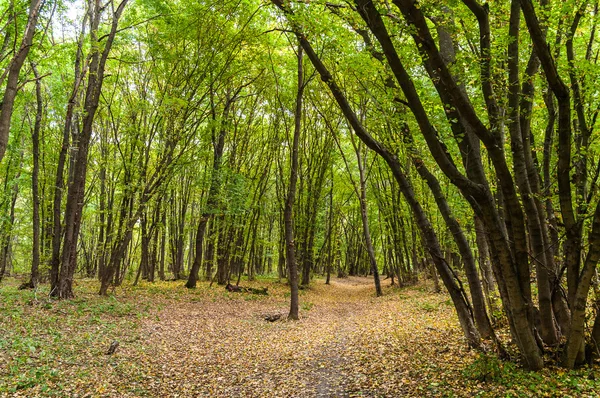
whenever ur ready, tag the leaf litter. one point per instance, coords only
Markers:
(208, 342)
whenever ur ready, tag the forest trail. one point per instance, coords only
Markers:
(207, 342)
(347, 343)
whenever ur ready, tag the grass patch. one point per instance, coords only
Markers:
(511, 380)
(428, 307)
(45, 342)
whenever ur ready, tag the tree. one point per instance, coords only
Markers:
(74, 205)
(290, 247)
(457, 295)
(35, 138)
(515, 219)
(361, 192)
(14, 69)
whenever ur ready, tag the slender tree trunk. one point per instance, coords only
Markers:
(145, 255)
(365, 221)
(479, 310)
(213, 192)
(12, 81)
(6, 236)
(330, 256)
(101, 247)
(508, 245)
(595, 337)
(291, 194)
(225, 236)
(154, 244)
(163, 241)
(519, 150)
(35, 138)
(281, 261)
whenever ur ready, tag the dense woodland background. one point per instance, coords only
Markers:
(219, 141)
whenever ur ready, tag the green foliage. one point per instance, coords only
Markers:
(429, 307)
(487, 368)
(42, 339)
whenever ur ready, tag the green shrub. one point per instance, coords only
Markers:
(486, 368)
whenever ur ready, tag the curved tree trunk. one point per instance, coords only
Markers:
(479, 311)
(14, 68)
(427, 232)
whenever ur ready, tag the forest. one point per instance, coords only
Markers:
(303, 198)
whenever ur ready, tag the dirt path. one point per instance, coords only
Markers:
(347, 343)
(206, 342)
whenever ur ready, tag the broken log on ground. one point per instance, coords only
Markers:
(241, 289)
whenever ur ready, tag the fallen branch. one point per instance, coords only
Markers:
(241, 289)
(272, 318)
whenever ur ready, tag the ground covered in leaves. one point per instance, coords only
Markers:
(208, 342)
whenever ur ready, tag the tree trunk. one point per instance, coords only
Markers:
(12, 81)
(425, 227)
(6, 235)
(330, 236)
(510, 250)
(595, 337)
(59, 183)
(35, 138)
(479, 311)
(75, 195)
(225, 237)
(213, 200)
(365, 221)
(291, 194)
(163, 241)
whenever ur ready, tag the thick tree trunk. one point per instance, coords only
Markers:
(59, 184)
(75, 195)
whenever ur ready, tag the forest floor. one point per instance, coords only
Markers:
(209, 342)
